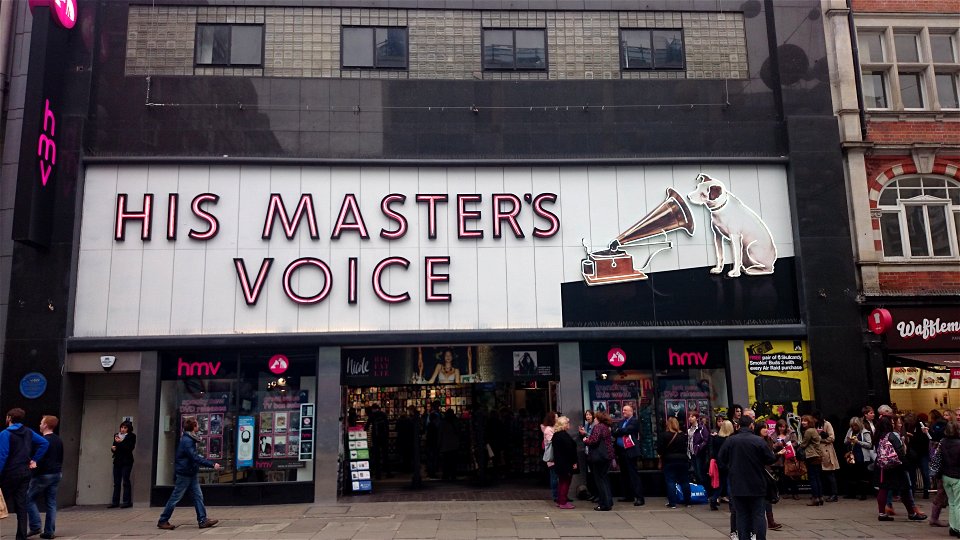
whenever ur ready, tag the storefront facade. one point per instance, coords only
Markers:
(388, 244)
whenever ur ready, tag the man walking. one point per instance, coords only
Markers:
(17, 444)
(187, 466)
(46, 479)
(627, 434)
(745, 456)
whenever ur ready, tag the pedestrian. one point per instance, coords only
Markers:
(949, 471)
(828, 454)
(672, 448)
(432, 429)
(809, 449)
(564, 460)
(626, 434)
(449, 445)
(868, 414)
(745, 455)
(186, 468)
(698, 450)
(124, 441)
(585, 430)
(860, 444)
(379, 426)
(20, 451)
(893, 475)
(600, 442)
(762, 430)
(719, 494)
(938, 427)
(736, 411)
(547, 430)
(918, 451)
(46, 479)
(783, 436)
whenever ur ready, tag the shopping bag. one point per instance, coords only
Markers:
(698, 494)
(3, 507)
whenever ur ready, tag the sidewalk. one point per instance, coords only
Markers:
(470, 520)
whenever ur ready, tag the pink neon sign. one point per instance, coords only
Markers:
(64, 12)
(278, 364)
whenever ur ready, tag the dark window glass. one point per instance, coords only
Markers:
(651, 49)
(371, 47)
(229, 45)
(514, 49)
(941, 47)
(939, 234)
(910, 90)
(874, 90)
(890, 234)
(947, 90)
(889, 195)
(357, 47)
(391, 47)
(871, 47)
(917, 231)
(906, 45)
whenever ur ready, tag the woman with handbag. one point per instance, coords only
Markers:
(809, 449)
(672, 448)
(893, 475)
(773, 490)
(828, 454)
(716, 443)
(860, 449)
(782, 436)
(564, 461)
(600, 444)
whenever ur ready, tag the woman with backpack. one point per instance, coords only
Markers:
(893, 475)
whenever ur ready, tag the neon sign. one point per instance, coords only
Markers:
(63, 12)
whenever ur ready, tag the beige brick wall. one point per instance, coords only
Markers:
(443, 44)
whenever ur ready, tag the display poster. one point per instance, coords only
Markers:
(778, 376)
(637, 391)
(935, 379)
(681, 395)
(245, 434)
(278, 438)
(209, 412)
(448, 365)
(955, 378)
(304, 427)
(904, 378)
(359, 463)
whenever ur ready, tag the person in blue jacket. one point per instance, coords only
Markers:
(20, 450)
(186, 467)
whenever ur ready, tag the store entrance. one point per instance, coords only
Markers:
(479, 430)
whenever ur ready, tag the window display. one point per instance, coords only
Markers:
(249, 416)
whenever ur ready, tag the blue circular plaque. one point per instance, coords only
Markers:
(33, 385)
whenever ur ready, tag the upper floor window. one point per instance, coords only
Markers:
(920, 217)
(905, 69)
(515, 49)
(374, 47)
(651, 49)
(229, 45)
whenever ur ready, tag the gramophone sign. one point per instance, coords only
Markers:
(615, 265)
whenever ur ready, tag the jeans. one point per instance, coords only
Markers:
(180, 487)
(924, 465)
(813, 473)
(45, 485)
(751, 517)
(675, 475)
(15, 488)
(554, 482)
(602, 478)
(121, 476)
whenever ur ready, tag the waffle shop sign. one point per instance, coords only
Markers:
(473, 221)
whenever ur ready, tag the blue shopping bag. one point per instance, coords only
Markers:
(698, 494)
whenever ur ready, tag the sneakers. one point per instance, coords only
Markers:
(884, 517)
(166, 526)
(567, 506)
(207, 523)
(889, 511)
(919, 516)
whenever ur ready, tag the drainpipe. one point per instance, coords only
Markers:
(6, 39)
(857, 76)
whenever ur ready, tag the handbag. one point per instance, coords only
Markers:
(850, 458)
(598, 454)
(773, 490)
(3, 507)
(794, 468)
(936, 463)
(548, 452)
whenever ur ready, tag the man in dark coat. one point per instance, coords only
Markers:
(20, 450)
(745, 455)
(626, 434)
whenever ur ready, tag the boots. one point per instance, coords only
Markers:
(935, 517)
(772, 523)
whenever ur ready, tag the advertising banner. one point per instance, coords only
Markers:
(245, 434)
(924, 329)
(778, 375)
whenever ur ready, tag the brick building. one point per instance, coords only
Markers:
(897, 72)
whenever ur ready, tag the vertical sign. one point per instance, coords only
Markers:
(359, 460)
(306, 431)
(245, 431)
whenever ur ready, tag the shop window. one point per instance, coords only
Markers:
(374, 47)
(514, 49)
(249, 416)
(909, 69)
(229, 45)
(920, 217)
(651, 49)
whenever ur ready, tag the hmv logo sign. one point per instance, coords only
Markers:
(197, 369)
(687, 359)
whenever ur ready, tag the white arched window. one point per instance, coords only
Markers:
(920, 217)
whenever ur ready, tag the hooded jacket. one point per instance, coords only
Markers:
(17, 443)
(188, 460)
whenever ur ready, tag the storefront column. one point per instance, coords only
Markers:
(739, 391)
(146, 427)
(571, 395)
(326, 447)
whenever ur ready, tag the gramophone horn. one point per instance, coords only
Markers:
(672, 214)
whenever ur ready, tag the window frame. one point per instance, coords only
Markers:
(924, 201)
(229, 64)
(653, 55)
(373, 37)
(513, 31)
